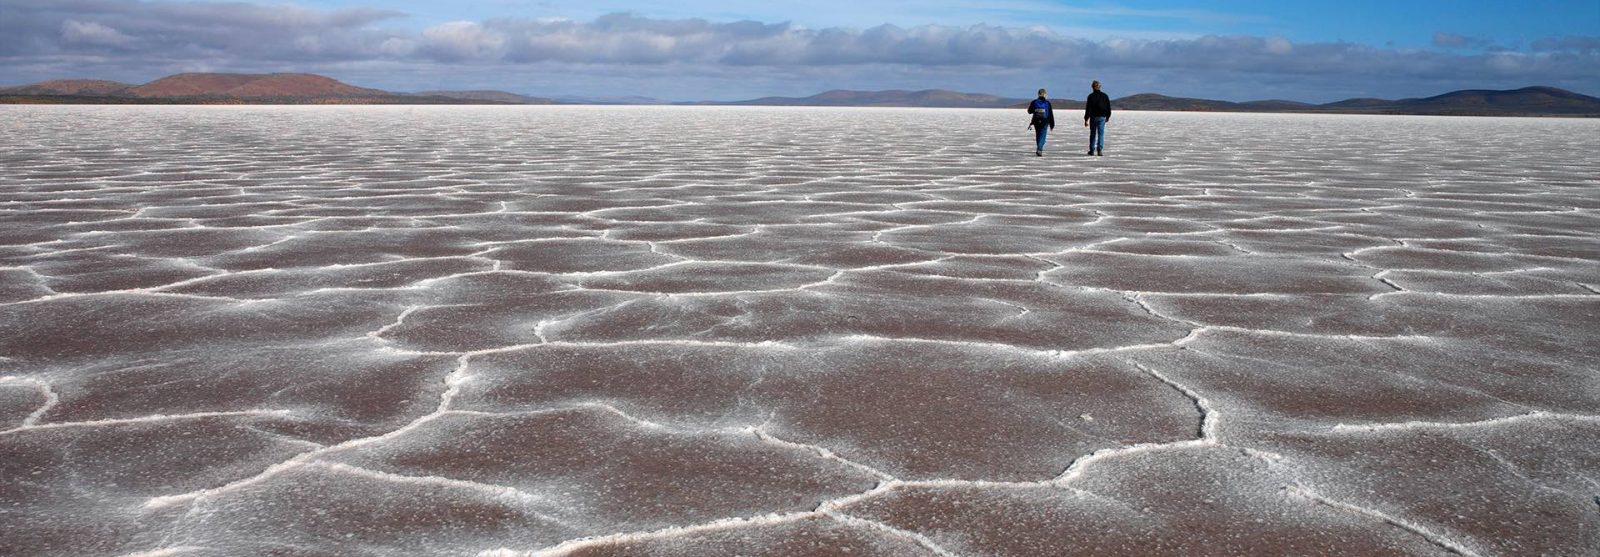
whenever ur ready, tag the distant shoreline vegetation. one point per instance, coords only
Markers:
(311, 89)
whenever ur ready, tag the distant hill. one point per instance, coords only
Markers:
(1152, 101)
(252, 86)
(497, 97)
(1361, 103)
(609, 100)
(215, 88)
(1530, 101)
(68, 87)
(928, 98)
(1275, 105)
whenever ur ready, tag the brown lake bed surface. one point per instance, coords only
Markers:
(794, 331)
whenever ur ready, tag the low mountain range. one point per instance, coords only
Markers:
(494, 97)
(228, 88)
(301, 88)
(929, 98)
(575, 99)
(1529, 101)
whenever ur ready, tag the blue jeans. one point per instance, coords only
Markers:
(1097, 133)
(1039, 132)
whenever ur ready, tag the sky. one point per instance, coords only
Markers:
(729, 50)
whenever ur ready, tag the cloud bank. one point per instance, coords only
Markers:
(159, 37)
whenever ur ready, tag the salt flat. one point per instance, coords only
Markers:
(764, 331)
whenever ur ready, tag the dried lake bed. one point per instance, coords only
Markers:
(794, 331)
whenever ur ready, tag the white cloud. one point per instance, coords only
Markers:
(92, 34)
(397, 47)
(1279, 45)
(463, 40)
(1509, 62)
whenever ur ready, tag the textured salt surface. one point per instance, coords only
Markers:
(709, 331)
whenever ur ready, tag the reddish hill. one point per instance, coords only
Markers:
(95, 87)
(192, 85)
(227, 88)
(251, 86)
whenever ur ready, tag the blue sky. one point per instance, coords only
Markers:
(1406, 23)
(725, 49)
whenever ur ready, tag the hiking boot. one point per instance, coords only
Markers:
(1090, 153)
(1099, 153)
(1038, 153)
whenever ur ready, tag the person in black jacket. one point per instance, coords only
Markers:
(1096, 112)
(1044, 118)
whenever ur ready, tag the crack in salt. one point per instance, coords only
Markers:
(40, 279)
(51, 399)
(1440, 540)
(757, 229)
(147, 419)
(1515, 470)
(498, 492)
(1488, 296)
(1292, 334)
(821, 451)
(139, 291)
(765, 344)
(921, 540)
(268, 245)
(1012, 347)
(1208, 422)
(1039, 276)
(635, 420)
(573, 545)
(283, 438)
(541, 328)
(1206, 431)
(1377, 274)
(538, 330)
(452, 381)
(168, 551)
(758, 431)
(657, 250)
(1021, 310)
(1535, 415)
(398, 321)
(1138, 299)
(826, 510)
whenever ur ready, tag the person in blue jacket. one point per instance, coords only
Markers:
(1044, 119)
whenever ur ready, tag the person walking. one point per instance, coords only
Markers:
(1096, 112)
(1043, 119)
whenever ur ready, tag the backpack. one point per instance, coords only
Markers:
(1040, 110)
